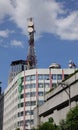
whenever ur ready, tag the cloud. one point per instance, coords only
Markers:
(3, 44)
(4, 33)
(16, 43)
(5, 9)
(49, 16)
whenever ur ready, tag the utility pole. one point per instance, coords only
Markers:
(67, 92)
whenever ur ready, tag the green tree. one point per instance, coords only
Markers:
(17, 129)
(62, 124)
(49, 125)
(72, 119)
(46, 126)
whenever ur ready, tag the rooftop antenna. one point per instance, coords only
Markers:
(72, 64)
(31, 61)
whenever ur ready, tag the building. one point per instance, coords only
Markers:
(15, 68)
(1, 107)
(59, 102)
(26, 91)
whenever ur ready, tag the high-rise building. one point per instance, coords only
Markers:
(25, 92)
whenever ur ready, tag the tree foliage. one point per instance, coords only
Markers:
(49, 125)
(17, 128)
(72, 118)
(71, 122)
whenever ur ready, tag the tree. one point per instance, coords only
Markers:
(62, 124)
(49, 125)
(72, 119)
(71, 122)
(17, 128)
(46, 126)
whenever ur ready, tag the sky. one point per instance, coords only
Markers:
(56, 37)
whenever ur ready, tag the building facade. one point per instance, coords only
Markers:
(59, 102)
(25, 92)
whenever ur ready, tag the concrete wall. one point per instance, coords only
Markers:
(57, 102)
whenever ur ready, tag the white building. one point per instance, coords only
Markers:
(27, 90)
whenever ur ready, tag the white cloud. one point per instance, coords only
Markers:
(4, 33)
(16, 43)
(5, 8)
(46, 17)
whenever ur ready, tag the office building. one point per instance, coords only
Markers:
(26, 91)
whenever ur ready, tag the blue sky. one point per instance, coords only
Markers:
(56, 37)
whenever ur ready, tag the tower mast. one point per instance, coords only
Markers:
(31, 61)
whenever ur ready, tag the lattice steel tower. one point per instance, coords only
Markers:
(31, 61)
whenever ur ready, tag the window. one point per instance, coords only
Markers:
(33, 85)
(40, 85)
(33, 103)
(59, 77)
(27, 78)
(47, 85)
(46, 77)
(40, 93)
(54, 85)
(29, 112)
(40, 77)
(32, 77)
(20, 114)
(65, 76)
(54, 77)
(33, 94)
(28, 94)
(28, 86)
(20, 105)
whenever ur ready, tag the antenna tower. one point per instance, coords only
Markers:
(31, 61)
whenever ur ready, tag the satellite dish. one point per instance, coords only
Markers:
(30, 23)
(30, 29)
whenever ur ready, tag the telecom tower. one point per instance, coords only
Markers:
(31, 61)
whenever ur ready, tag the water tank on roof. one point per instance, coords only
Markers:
(55, 66)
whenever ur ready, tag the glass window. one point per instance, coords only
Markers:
(33, 85)
(27, 78)
(40, 93)
(28, 94)
(20, 114)
(59, 77)
(22, 95)
(27, 85)
(33, 77)
(28, 103)
(32, 122)
(47, 85)
(20, 105)
(29, 112)
(46, 77)
(33, 103)
(65, 76)
(40, 77)
(54, 85)
(54, 77)
(40, 85)
(33, 94)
